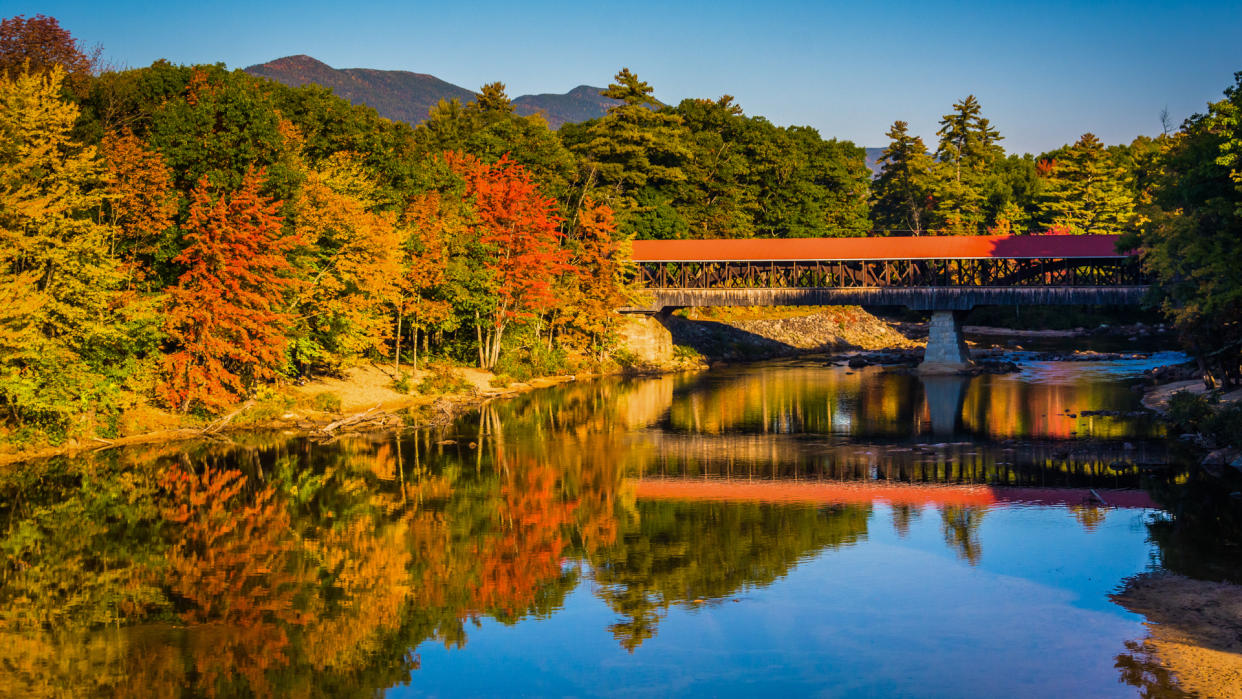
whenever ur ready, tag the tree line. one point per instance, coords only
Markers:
(182, 235)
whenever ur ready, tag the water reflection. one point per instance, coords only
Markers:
(279, 565)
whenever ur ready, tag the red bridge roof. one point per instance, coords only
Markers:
(957, 247)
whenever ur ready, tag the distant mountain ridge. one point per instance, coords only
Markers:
(405, 96)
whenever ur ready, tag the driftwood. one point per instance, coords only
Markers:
(349, 421)
(219, 424)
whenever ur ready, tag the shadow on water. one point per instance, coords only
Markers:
(285, 565)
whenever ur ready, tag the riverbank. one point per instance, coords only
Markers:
(1195, 629)
(362, 398)
(732, 334)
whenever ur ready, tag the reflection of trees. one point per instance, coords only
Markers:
(1199, 532)
(797, 400)
(1142, 669)
(1089, 516)
(817, 400)
(903, 515)
(686, 552)
(960, 524)
(288, 567)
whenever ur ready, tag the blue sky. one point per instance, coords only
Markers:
(1044, 72)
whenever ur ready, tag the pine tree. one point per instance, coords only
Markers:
(633, 146)
(967, 153)
(1085, 191)
(904, 186)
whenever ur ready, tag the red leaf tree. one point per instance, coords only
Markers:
(518, 227)
(226, 316)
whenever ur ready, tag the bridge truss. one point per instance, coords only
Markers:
(902, 273)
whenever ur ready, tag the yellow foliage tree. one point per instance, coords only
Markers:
(351, 266)
(54, 256)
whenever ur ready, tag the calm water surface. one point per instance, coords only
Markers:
(788, 526)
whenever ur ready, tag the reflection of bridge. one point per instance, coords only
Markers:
(943, 274)
(829, 492)
(1043, 463)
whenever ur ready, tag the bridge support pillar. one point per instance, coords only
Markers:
(946, 351)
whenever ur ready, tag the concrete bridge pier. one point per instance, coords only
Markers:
(946, 351)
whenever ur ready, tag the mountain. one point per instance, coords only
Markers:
(579, 104)
(873, 160)
(404, 96)
(396, 94)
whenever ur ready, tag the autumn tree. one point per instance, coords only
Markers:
(518, 227)
(54, 257)
(429, 225)
(902, 191)
(142, 203)
(37, 44)
(489, 129)
(349, 262)
(593, 286)
(226, 316)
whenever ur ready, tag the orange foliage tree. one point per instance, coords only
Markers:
(593, 288)
(518, 227)
(429, 223)
(143, 200)
(225, 316)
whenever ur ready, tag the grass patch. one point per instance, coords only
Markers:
(326, 401)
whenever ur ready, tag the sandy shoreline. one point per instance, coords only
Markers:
(1195, 629)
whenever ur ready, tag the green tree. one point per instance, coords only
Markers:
(633, 148)
(1086, 191)
(489, 129)
(968, 149)
(903, 188)
(1192, 241)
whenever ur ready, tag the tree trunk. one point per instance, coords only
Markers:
(396, 355)
(478, 333)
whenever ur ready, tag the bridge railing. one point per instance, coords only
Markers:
(862, 274)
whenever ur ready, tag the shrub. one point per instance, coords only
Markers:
(442, 378)
(327, 402)
(402, 384)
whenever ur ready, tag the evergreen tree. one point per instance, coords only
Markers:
(904, 186)
(489, 129)
(1086, 191)
(632, 148)
(967, 151)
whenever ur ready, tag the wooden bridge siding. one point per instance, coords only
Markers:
(919, 298)
(890, 273)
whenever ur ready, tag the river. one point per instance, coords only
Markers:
(789, 526)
